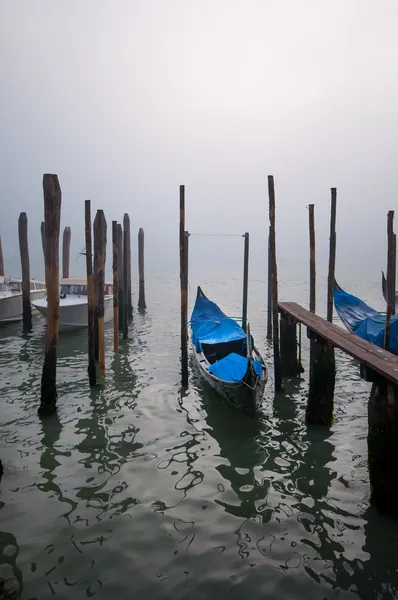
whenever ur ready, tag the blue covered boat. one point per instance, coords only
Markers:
(363, 320)
(226, 356)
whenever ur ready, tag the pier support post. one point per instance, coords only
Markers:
(24, 250)
(92, 374)
(383, 445)
(52, 218)
(66, 252)
(99, 261)
(184, 291)
(274, 285)
(322, 379)
(126, 249)
(288, 346)
(141, 271)
(127, 257)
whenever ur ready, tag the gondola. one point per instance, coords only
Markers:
(226, 357)
(384, 288)
(363, 320)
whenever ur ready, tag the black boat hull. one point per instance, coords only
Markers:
(245, 395)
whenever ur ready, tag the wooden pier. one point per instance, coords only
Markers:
(375, 359)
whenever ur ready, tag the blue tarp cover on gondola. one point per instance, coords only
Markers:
(211, 326)
(351, 309)
(233, 368)
(372, 329)
(366, 322)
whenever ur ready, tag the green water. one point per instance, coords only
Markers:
(140, 490)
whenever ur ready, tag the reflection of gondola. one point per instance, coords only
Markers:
(226, 357)
(363, 320)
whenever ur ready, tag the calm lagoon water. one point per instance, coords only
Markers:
(141, 490)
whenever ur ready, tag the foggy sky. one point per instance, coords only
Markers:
(126, 100)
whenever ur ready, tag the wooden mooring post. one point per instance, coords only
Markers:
(121, 274)
(66, 252)
(52, 219)
(391, 274)
(127, 256)
(141, 270)
(115, 288)
(274, 285)
(269, 290)
(245, 281)
(99, 281)
(92, 374)
(126, 237)
(1, 260)
(184, 291)
(24, 251)
(312, 259)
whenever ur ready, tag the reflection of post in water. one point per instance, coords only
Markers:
(10, 587)
(51, 428)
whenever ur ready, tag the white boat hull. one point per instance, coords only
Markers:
(73, 312)
(11, 306)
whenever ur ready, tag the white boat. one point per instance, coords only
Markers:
(11, 297)
(73, 303)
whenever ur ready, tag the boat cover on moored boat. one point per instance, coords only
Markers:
(211, 326)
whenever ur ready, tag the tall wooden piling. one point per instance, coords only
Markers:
(24, 251)
(43, 239)
(99, 261)
(184, 292)
(1, 260)
(269, 290)
(391, 273)
(332, 254)
(126, 263)
(52, 219)
(141, 270)
(274, 284)
(66, 252)
(121, 274)
(127, 242)
(115, 288)
(92, 375)
(245, 281)
(312, 259)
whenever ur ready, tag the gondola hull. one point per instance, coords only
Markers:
(245, 395)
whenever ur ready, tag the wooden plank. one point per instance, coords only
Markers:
(381, 361)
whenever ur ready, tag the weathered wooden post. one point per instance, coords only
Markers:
(290, 364)
(184, 292)
(126, 263)
(269, 290)
(52, 219)
(127, 242)
(120, 270)
(383, 446)
(43, 240)
(92, 375)
(99, 261)
(391, 268)
(332, 254)
(245, 280)
(141, 271)
(322, 362)
(1, 260)
(24, 251)
(312, 259)
(274, 285)
(66, 252)
(115, 288)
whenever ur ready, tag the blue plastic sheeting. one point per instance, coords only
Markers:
(372, 329)
(211, 326)
(352, 310)
(233, 368)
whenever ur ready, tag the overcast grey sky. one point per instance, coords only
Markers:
(125, 100)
